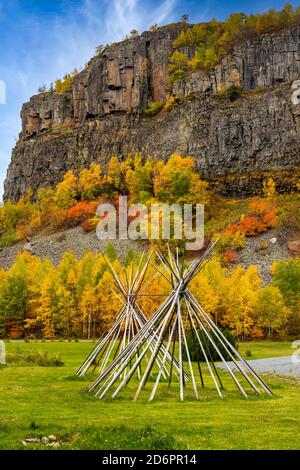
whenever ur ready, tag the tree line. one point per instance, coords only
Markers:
(75, 198)
(209, 42)
(75, 300)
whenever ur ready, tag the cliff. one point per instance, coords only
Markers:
(236, 144)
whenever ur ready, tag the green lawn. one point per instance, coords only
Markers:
(38, 401)
(261, 349)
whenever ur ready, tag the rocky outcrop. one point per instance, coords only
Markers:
(236, 145)
(121, 79)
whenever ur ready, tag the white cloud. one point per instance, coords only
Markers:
(164, 11)
(123, 16)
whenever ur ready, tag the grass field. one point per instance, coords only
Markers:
(38, 401)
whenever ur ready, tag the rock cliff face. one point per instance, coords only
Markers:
(236, 145)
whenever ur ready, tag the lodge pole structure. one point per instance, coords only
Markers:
(128, 323)
(157, 338)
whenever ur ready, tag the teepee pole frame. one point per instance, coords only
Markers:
(165, 325)
(127, 326)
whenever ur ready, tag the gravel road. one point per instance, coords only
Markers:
(274, 365)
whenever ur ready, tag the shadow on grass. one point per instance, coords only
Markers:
(85, 378)
(206, 395)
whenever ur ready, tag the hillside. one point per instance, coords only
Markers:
(54, 246)
(239, 118)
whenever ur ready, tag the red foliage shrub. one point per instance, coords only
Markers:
(230, 256)
(266, 210)
(252, 225)
(260, 218)
(260, 206)
(81, 210)
(270, 219)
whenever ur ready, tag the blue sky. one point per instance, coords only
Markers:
(41, 40)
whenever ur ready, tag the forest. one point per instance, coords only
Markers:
(74, 299)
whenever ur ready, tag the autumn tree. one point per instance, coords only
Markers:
(67, 191)
(114, 172)
(39, 321)
(286, 277)
(139, 180)
(211, 58)
(43, 306)
(272, 311)
(90, 182)
(269, 188)
(11, 214)
(89, 307)
(179, 66)
(13, 299)
(49, 212)
(65, 84)
(178, 181)
(68, 321)
(286, 15)
(267, 21)
(110, 304)
(209, 296)
(209, 286)
(235, 23)
(240, 302)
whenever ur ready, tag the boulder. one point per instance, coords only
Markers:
(294, 248)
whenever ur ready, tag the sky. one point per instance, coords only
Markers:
(42, 40)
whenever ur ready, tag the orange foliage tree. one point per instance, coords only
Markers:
(82, 210)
